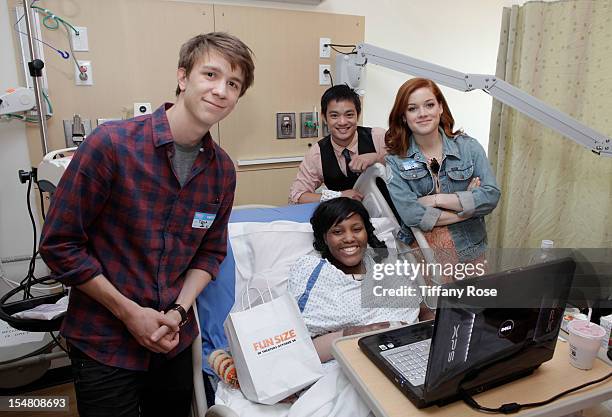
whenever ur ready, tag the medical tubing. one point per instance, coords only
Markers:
(23, 118)
(52, 16)
(63, 54)
(50, 112)
(67, 26)
(71, 50)
(57, 20)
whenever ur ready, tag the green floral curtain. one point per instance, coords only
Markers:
(552, 187)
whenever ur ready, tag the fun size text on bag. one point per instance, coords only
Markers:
(275, 342)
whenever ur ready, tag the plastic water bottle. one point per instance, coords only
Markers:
(545, 253)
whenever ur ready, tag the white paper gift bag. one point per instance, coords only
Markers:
(272, 350)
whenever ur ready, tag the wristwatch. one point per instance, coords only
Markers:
(182, 312)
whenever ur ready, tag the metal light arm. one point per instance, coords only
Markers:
(498, 89)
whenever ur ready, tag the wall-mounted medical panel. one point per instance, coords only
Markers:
(286, 45)
(134, 46)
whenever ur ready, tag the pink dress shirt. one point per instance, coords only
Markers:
(310, 172)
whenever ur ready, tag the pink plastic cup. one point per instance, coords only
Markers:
(584, 341)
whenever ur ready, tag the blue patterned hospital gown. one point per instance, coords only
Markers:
(335, 300)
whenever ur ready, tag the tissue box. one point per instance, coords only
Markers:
(606, 323)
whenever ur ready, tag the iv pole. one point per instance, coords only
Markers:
(35, 66)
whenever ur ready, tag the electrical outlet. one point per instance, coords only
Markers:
(80, 42)
(142, 108)
(324, 79)
(324, 51)
(309, 127)
(84, 77)
(285, 125)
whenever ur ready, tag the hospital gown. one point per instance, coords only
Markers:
(335, 299)
(334, 303)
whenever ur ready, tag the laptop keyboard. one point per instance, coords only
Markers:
(410, 360)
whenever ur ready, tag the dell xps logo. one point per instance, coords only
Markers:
(454, 338)
(551, 321)
(506, 328)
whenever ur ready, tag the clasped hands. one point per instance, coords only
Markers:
(155, 330)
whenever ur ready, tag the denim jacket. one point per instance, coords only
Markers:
(409, 178)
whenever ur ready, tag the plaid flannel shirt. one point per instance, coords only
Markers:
(119, 210)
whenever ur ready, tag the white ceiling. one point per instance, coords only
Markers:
(313, 2)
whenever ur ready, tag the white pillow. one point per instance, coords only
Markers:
(265, 252)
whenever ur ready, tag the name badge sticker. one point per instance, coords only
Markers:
(202, 220)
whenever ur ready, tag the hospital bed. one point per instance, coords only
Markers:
(265, 242)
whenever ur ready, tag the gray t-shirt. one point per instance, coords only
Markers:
(183, 159)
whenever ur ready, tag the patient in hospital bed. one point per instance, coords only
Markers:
(328, 289)
(328, 292)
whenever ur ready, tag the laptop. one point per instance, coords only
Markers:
(477, 343)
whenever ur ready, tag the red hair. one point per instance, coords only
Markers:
(397, 137)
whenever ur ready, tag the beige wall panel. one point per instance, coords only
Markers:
(286, 47)
(264, 186)
(133, 47)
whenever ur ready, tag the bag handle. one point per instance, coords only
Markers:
(246, 291)
(261, 295)
(309, 285)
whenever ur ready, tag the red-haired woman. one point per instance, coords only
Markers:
(439, 179)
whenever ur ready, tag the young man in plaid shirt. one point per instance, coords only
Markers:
(138, 228)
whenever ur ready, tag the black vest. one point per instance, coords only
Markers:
(333, 177)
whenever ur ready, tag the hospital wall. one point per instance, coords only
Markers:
(15, 228)
(460, 37)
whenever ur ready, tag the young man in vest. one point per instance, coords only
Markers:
(137, 228)
(339, 158)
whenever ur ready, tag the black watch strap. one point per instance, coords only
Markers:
(182, 312)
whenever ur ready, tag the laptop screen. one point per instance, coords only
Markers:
(480, 340)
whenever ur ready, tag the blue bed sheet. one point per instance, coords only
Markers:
(217, 299)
